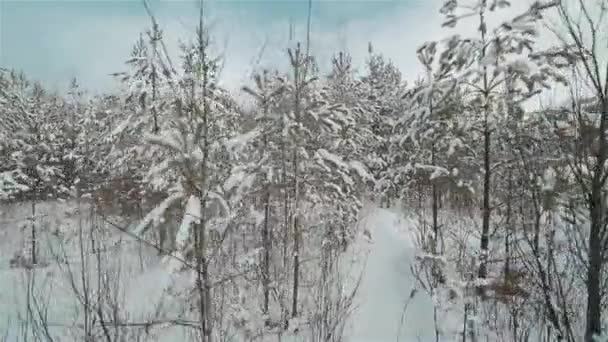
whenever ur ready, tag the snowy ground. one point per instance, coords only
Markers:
(385, 289)
(56, 224)
(387, 285)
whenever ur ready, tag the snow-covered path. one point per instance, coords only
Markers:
(387, 284)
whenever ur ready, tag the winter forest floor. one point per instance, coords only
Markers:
(385, 310)
(387, 285)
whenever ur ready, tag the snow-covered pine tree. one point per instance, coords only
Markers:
(196, 150)
(32, 146)
(431, 151)
(265, 168)
(500, 52)
(435, 130)
(349, 138)
(149, 86)
(321, 137)
(16, 118)
(383, 90)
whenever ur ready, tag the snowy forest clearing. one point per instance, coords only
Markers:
(49, 292)
(380, 315)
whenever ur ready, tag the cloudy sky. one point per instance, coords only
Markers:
(55, 40)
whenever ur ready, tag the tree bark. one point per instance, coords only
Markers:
(485, 228)
(34, 244)
(486, 210)
(596, 236)
(267, 245)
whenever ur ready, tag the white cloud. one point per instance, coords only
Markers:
(98, 45)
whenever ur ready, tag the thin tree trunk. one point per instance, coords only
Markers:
(464, 322)
(296, 228)
(84, 277)
(343, 228)
(508, 228)
(202, 264)
(285, 203)
(155, 128)
(594, 297)
(485, 229)
(596, 236)
(34, 256)
(419, 195)
(299, 80)
(266, 239)
(435, 205)
(296, 264)
(267, 245)
(515, 325)
(199, 246)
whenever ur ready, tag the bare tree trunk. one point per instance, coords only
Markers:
(34, 246)
(154, 38)
(508, 228)
(584, 33)
(435, 204)
(296, 267)
(202, 263)
(298, 61)
(267, 245)
(285, 201)
(596, 237)
(343, 228)
(486, 210)
(84, 276)
(465, 322)
(485, 227)
(206, 285)
(419, 185)
(200, 278)
(266, 238)
(296, 228)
